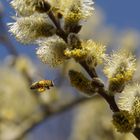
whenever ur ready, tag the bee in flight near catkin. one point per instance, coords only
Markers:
(42, 85)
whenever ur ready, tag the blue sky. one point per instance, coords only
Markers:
(121, 13)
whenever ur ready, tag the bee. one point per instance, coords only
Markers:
(42, 85)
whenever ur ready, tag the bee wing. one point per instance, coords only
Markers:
(33, 86)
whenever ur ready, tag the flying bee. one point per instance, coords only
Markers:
(42, 85)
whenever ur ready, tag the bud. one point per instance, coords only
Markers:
(123, 121)
(97, 82)
(83, 84)
(42, 6)
(116, 85)
(74, 41)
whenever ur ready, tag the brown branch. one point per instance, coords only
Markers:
(137, 133)
(109, 99)
(92, 73)
(60, 31)
(50, 112)
(9, 46)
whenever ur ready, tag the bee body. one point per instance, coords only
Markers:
(42, 85)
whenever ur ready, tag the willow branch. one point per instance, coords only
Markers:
(92, 73)
(60, 31)
(137, 133)
(9, 46)
(50, 112)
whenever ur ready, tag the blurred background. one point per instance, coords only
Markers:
(24, 114)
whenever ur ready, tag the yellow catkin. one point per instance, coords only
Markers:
(136, 108)
(78, 54)
(119, 68)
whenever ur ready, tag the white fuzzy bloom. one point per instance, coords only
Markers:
(28, 29)
(23, 7)
(51, 50)
(29, 7)
(120, 65)
(127, 99)
(87, 8)
(62, 5)
(79, 11)
(96, 52)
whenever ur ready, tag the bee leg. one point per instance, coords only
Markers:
(41, 90)
(47, 87)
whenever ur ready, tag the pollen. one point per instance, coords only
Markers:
(78, 54)
(119, 68)
(129, 99)
(96, 52)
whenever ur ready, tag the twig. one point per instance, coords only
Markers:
(53, 112)
(60, 31)
(137, 133)
(92, 73)
(9, 46)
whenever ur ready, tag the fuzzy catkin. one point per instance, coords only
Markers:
(129, 99)
(51, 51)
(119, 69)
(28, 29)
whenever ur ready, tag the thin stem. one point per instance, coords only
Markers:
(137, 133)
(5, 40)
(92, 73)
(53, 112)
(109, 99)
(60, 31)
(9, 46)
